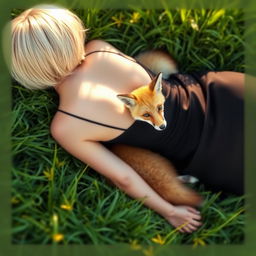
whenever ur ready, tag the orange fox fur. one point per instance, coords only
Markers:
(159, 173)
(156, 170)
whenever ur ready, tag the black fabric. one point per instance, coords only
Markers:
(204, 133)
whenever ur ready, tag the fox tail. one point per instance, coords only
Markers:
(159, 173)
(158, 61)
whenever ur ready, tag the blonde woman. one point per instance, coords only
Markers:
(48, 50)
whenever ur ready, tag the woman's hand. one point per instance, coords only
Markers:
(184, 214)
(122, 175)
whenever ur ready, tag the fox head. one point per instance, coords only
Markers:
(146, 103)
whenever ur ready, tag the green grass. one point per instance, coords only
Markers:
(45, 176)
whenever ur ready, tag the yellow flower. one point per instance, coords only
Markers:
(57, 237)
(59, 163)
(198, 241)
(158, 239)
(14, 200)
(67, 207)
(194, 24)
(49, 174)
(149, 251)
(55, 218)
(134, 245)
(118, 20)
(135, 17)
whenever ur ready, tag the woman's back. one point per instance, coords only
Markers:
(91, 91)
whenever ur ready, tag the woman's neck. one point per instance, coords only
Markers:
(59, 87)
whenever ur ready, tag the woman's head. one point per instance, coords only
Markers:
(47, 44)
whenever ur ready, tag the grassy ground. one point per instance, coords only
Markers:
(57, 198)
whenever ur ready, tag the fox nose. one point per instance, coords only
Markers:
(162, 127)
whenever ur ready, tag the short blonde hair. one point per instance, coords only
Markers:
(47, 45)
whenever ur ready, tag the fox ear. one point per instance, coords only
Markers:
(128, 99)
(156, 84)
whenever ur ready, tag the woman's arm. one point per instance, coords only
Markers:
(108, 164)
(122, 175)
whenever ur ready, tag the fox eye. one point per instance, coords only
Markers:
(146, 115)
(159, 108)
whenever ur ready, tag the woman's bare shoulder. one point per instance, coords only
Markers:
(97, 84)
(68, 129)
(100, 45)
(61, 127)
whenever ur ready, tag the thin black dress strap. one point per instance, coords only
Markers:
(91, 121)
(120, 54)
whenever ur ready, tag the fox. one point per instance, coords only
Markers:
(146, 103)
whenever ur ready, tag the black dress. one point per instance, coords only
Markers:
(204, 136)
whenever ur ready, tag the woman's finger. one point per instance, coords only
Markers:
(195, 216)
(187, 229)
(196, 223)
(191, 227)
(193, 210)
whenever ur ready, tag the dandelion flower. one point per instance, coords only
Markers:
(135, 17)
(57, 237)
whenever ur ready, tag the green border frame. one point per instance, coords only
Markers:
(247, 248)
